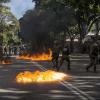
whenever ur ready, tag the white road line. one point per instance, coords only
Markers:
(87, 77)
(74, 91)
(40, 66)
(82, 95)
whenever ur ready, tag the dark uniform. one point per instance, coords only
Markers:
(93, 56)
(65, 57)
(1, 53)
(55, 56)
(5, 50)
(15, 50)
(10, 49)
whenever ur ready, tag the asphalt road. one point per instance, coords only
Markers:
(83, 85)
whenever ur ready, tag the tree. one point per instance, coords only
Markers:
(4, 1)
(43, 26)
(9, 25)
(86, 12)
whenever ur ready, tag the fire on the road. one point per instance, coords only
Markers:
(5, 62)
(40, 77)
(37, 57)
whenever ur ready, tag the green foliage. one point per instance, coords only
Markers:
(85, 11)
(9, 25)
(4, 1)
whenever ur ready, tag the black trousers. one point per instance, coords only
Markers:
(67, 59)
(55, 61)
(93, 62)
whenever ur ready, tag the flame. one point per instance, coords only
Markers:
(40, 77)
(37, 57)
(6, 62)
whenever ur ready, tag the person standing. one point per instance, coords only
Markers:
(15, 50)
(1, 53)
(93, 55)
(10, 50)
(65, 57)
(5, 50)
(55, 55)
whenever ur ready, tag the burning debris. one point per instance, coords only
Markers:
(40, 77)
(6, 62)
(37, 57)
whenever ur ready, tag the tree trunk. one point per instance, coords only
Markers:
(81, 31)
(97, 29)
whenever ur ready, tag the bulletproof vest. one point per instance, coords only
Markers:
(0, 48)
(94, 50)
(65, 51)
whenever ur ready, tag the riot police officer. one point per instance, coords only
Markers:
(65, 57)
(55, 55)
(93, 54)
(1, 53)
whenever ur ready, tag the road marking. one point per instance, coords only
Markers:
(70, 86)
(40, 66)
(75, 91)
(78, 92)
(87, 77)
(12, 91)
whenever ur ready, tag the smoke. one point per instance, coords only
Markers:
(38, 24)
